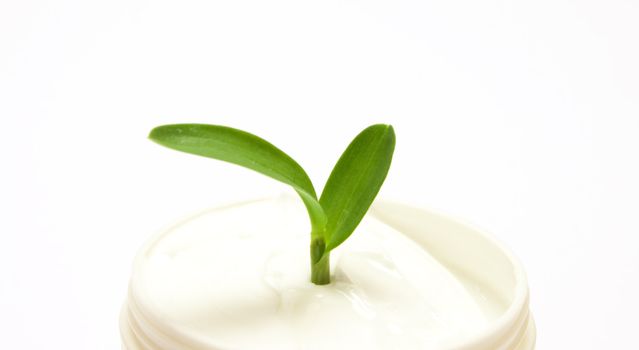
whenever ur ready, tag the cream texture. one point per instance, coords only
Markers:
(238, 278)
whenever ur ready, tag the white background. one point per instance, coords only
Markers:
(522, 117)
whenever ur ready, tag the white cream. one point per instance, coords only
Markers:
(238, 278)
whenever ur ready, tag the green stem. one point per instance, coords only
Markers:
(320, 262)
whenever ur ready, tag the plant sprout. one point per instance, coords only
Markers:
(347, 195)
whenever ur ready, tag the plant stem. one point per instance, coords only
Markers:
(321, 271)
(320, 262)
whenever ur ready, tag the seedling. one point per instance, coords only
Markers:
(347, 195)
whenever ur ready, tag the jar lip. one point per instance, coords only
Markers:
(507, 330)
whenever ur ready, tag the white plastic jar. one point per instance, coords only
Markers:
(234, 278)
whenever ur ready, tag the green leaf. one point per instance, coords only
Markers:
(355, 181)
(247, 150)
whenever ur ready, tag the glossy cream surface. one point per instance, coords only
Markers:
(238, 278)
